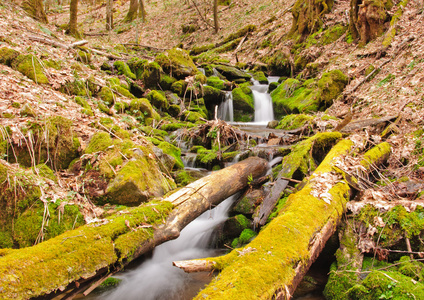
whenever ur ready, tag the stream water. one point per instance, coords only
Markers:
(157, 279)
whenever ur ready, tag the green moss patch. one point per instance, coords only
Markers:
(290, 122)
(177, 63)
(292, 96)
(30, 66)
(123, 69)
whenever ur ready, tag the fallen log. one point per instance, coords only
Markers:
(78, 258)
(274, 263)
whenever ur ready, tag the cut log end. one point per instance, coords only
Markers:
(197, 265)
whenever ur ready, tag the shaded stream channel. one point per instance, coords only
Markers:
(155, 278)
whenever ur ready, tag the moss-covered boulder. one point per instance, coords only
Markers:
(290, 122)
(54, 142)
(22, 213)
(142, 106)
(30, 66)
(293, 96)
(243, 105)
(193, 117)
(177, 63)
(212, 96)
(122, 68)
(173, 151)
(7, 56)
(260, 77)
(139, 180)
(137, 66)
(248, 202)
(166, 82)
(158, 100)
(179, 87)
(232, 73)
(151, 75)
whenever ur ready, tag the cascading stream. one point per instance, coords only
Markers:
(156, 278)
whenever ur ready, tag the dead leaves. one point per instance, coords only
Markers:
(323, 182)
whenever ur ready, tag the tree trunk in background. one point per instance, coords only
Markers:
(35, 9)
(109, 15)
(142, 11)
(73, 17)
(215, 15)
(132, 11)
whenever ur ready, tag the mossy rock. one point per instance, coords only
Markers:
(139, 180)
(232, 73)
(27, 111)
(137, 66)
(279, 64)
(248, 202)
(44, 171)
(386, 285)
(177, 63)
(142, 106)
(212, 97)
(243, 104)
(173, 151)
(30, 67)
(292, 96)
(57, 144)
(184, 177)
(216, 82)
(123, 69)
(83, 56)
(166, 82)
(234, 226)
(272, 86)
(158, 100)
(260, 76)
(151, 75)
(192, 117)
(174, 110)
(84, 104)
(291, 122)
(15, 201)
(100, 141)
(7, 56)
(206, 158)
(179, 87)
(28, 225)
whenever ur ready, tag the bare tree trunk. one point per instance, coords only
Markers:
(215, 15)
(35, 9)
(132, 11)
(142, 11)
(109, 15)
(73, 19)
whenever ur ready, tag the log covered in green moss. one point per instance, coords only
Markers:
(275, 261)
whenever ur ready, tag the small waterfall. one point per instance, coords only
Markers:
(189, 159)
(263, 103)
(156, 278)
(225, 109)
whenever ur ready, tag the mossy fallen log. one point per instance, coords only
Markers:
(71, 261)
(273, 264)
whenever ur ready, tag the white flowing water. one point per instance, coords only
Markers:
(225, 109)
(156, 278)
(263, 103)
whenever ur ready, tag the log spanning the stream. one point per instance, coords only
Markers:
(274, 263)
(77, 259)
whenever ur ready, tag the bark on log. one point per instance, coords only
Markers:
(81, 256)
(274, 263)
(269, 202)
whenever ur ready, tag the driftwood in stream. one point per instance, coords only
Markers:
(274, 263)
(79, 258)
